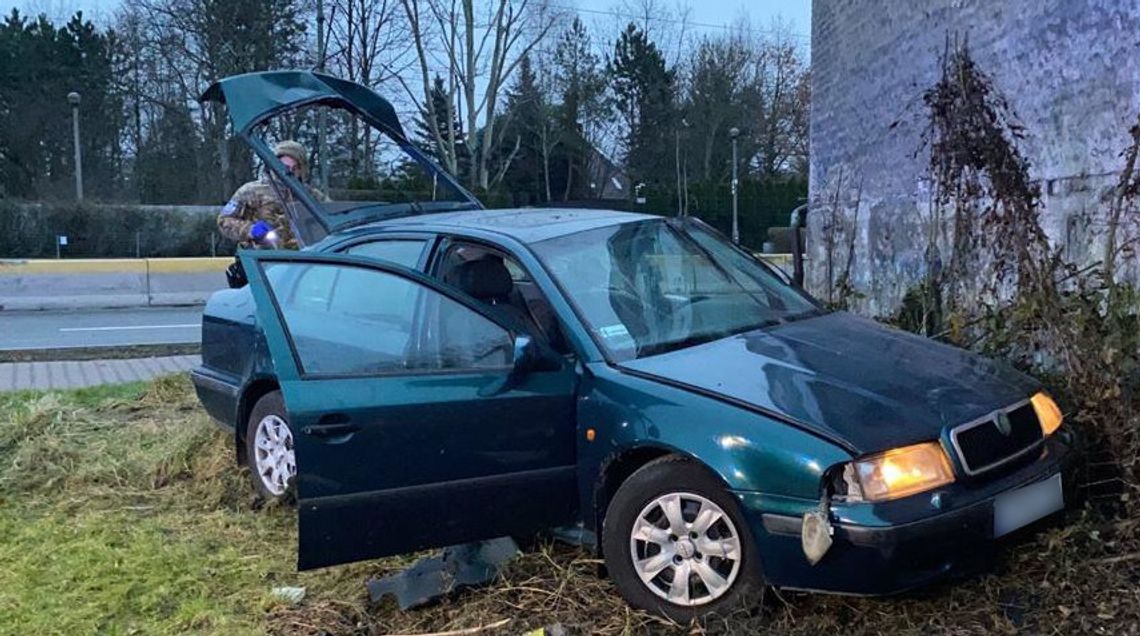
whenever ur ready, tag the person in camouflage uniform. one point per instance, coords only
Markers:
(254, 216)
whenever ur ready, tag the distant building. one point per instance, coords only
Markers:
(1069, 68)
(607, 179)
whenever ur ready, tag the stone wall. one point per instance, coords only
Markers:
(1070, 70)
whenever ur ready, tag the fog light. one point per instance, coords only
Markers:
(815, 535)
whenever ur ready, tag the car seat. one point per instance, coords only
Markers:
(487, 279)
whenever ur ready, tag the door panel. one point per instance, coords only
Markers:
(400, 443)
(433, 515)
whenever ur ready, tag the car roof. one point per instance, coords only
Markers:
(527, 225)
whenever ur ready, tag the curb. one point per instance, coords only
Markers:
(113, 352)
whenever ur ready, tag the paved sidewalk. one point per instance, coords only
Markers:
(76, 374)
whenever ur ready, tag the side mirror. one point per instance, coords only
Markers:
(527, 356)
(235, 275)
(524, 355)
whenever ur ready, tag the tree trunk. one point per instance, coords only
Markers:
(546, 148)
(570, 157)
(469, 55)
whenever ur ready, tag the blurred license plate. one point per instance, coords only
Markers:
(1023, 506)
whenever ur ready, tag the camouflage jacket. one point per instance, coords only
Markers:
(258, 201)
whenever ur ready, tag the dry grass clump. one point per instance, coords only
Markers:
(122, 512)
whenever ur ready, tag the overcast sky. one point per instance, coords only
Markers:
(710, 16)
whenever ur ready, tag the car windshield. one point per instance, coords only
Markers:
(654, 286)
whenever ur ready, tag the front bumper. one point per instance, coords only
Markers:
(889, 548)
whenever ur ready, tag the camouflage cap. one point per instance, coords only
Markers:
(294, 149)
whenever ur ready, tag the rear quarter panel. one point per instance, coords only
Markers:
(233, 354)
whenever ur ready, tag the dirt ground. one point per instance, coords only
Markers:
(121, 512)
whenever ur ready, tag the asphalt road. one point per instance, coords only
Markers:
(99, 327)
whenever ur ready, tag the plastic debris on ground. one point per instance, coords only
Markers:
(432, 578)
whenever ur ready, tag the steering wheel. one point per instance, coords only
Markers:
(607, 294)
(659, 315)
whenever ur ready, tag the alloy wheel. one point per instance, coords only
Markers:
(685, 549)
(274, 459)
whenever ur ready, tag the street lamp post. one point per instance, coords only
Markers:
(73, 99)
(734, 132)
(322, 148)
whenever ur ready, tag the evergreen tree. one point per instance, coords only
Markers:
(170, 147)
(39, 65)
(582, 88)
(451, 131)
(643, 88)
(527, 129)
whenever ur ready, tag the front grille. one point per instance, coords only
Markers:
(987, 443)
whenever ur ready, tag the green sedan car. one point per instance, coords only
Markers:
(426, 373)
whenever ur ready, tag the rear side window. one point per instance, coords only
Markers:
(376, 322)
(404, 252)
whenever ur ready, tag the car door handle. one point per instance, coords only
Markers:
(330, 430)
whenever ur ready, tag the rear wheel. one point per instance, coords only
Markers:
(269, 447)
(676, 544)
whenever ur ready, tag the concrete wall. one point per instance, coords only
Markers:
(81, 283)
(1069, 69)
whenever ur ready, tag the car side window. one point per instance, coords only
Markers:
(362, 331)
(459, 338)
(388, 299)
(316, 288)
(525, 296)
(309, 287)
(404, 252)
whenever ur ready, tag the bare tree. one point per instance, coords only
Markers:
(778, 98)
(195, 42)
(717, 82)
(367, 41)
(667, 25)
(479, 48)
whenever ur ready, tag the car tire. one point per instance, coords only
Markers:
(643, 567)
(269, 448)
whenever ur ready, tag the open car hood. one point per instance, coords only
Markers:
(253, 98)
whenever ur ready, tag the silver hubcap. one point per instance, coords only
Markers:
(685, 549)
(273, 454)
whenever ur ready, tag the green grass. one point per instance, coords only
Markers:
(122, 512)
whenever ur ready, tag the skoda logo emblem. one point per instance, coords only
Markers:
(1004, 426)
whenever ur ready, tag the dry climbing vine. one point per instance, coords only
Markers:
(1006, 291)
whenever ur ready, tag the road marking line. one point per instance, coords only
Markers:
(132, 327)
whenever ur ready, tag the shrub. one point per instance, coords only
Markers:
(29, 230)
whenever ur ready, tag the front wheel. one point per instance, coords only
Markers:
(676, 544)
(269, 447)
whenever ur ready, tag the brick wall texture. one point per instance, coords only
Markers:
(1070, 70)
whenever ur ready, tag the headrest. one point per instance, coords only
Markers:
(486, 278)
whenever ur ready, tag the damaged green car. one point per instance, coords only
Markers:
(427, 372)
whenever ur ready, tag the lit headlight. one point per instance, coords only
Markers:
(1048, 413)
(903, 471)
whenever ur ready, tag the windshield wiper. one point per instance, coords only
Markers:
(673, 345)
(800, 315)
(700, 338)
